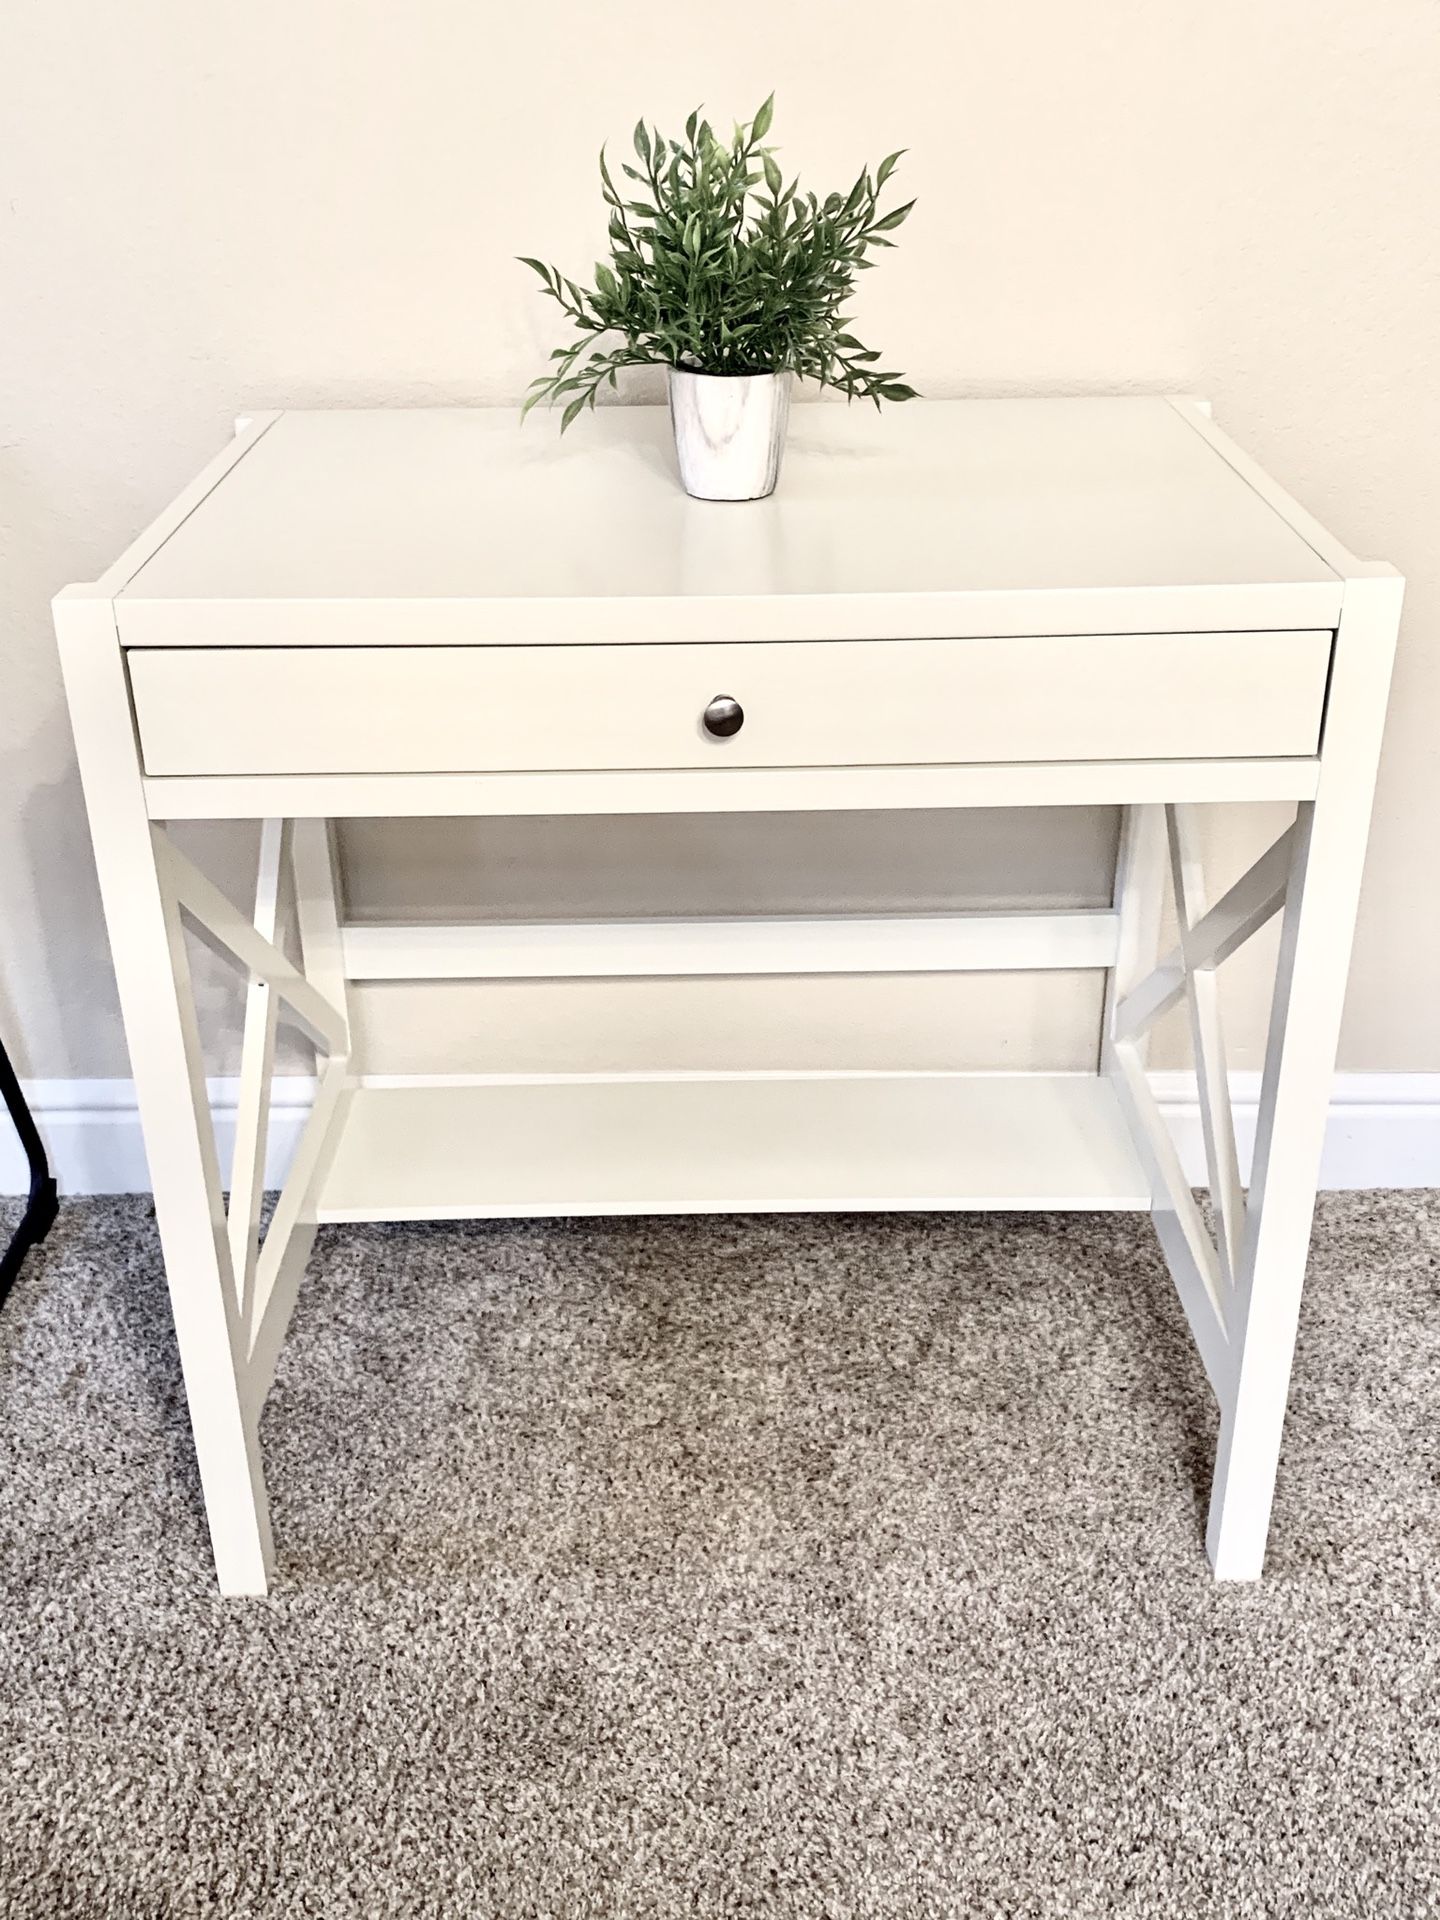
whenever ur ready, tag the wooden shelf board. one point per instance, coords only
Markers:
(824, 1143)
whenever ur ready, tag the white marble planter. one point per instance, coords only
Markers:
(729, 432)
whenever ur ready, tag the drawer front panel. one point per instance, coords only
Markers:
(249, 710)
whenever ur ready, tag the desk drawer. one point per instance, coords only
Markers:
(249, 710)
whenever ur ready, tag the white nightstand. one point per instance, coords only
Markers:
(968, 604)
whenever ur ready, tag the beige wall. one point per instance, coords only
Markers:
(211, 208)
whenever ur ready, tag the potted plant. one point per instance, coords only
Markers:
(734, 282)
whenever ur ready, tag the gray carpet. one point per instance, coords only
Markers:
(842, 1567)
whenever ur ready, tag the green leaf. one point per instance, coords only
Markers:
(897, 390)
(892, 219)
(719, 264)
(887, 167)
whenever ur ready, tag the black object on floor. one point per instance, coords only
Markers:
(39, 1214)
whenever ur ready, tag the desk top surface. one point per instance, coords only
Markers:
(956, 517)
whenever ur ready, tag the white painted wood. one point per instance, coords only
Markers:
(1204, 1272)
(317, 914)
(1138, 901)
(220, 922)
(257, 1067)
(741, 790)
(1207, 1034)
(1382, 1129)
(1244, 908)
(1332, 552)
(152, 975)
(930, 520)
(272, 1271)
(287, 1246)
(1324, 885)
(972, 605)
(513, 709)
(1254, 899)
(596, 949)
(816, 1144)
(1189, 1251)
(167, 523)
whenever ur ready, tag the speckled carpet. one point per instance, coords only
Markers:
(814, 1567)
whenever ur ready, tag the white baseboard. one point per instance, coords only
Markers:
(91, 1130)
(1383, 1131)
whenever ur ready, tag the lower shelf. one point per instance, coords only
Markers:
(825, 1143)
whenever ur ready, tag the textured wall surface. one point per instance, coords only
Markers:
(205, 210)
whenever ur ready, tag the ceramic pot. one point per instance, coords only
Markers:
(729, 432)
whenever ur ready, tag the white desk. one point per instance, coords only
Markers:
(972, 604)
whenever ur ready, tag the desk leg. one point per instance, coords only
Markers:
(1322, 894)
(152, 974)
(1294, 1100)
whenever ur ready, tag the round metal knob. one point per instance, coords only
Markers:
(723, 717)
